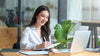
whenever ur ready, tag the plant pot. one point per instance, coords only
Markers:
(69, 45)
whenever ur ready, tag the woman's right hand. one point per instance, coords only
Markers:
(45, 44)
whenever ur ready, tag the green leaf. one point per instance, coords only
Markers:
(98, 43)
(99, 39)
(62, 42)
(62, 31)
(66, 26)
(58, 32)
(70, 39)
(71, 28)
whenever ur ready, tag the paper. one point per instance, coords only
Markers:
(91, 49)
(55, 50)
(64, 50)
(53, 45)
(33, 52)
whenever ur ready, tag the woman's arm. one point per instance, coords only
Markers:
(25, 42)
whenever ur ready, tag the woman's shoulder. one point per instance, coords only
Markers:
(29, 28)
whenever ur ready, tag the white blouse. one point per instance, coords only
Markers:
(30, 39)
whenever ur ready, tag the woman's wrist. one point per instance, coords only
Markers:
(39, 46)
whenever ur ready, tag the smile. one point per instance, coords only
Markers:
(42, 22)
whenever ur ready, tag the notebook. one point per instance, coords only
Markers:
(52, 45)
(79, 43)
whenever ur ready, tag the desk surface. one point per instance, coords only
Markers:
(87, 21)
(85, 53)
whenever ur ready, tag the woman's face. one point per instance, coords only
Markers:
(42, 17)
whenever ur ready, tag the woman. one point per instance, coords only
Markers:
(37, 34)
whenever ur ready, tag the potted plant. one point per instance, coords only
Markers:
(99, 44)
(61, 33)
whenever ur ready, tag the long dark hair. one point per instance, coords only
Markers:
(45, 29)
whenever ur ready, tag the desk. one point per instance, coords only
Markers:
(84, 53)
(93, 24)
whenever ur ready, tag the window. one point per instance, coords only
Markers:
(2, 3)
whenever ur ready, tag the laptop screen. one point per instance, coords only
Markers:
(80, 41)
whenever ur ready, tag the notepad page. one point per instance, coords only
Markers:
(53, 45)
(34, 52)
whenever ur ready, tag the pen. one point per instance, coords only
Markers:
(45, 39)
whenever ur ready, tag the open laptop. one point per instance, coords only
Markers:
(79, 43)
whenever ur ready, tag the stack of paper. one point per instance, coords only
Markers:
(39, 52)
(91, 49)
(33, 52)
